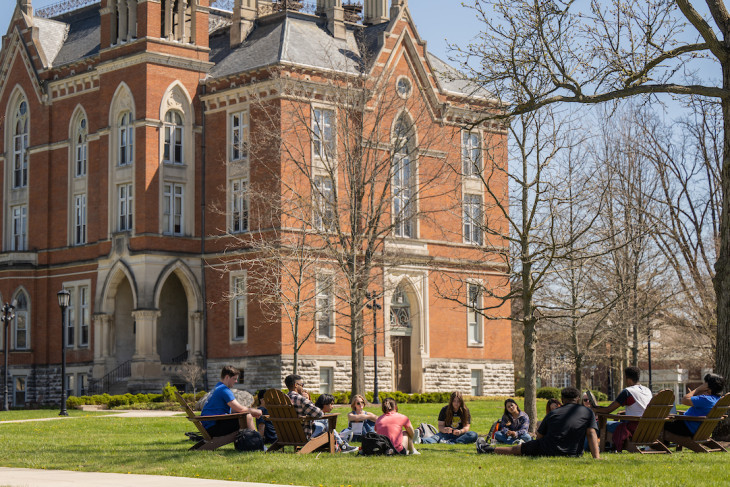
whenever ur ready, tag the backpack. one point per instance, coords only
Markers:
(248, 440)
(426, 430)
(375, 444)
(492, 431)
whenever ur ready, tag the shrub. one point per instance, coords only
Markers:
(73, 402)
(168, 393)
(548, 393)
(600, 396)
(116, 401)
(520, 392)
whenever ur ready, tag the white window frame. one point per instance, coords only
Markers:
(239, 205)
(19, 222)
(324, 122)
(324, 203)
(330, 384)
(473, 219)
(239, 307)
(125, 207)
(480, 377)
(78, 314)
(471, 153)
(324, 302)
(403, 185)
(239, 134)
(20, 146)
(69, 335)
(173, 209)
(474, 320)
(24, 316)
(81, 148)
(125, 150)
(79, 237)
(174, 138)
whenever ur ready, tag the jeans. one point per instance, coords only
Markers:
(468, 437)
(320, 426)
(503, 438)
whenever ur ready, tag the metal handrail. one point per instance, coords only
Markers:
(120, 373)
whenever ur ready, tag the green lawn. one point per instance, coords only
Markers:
(157, 446)
(19, 414)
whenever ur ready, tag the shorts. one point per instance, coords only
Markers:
(531, 449)
(679, 428)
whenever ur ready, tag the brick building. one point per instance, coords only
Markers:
(129, 124)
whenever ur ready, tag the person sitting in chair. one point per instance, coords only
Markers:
(300, 399)
(702, 400)
(222, 401)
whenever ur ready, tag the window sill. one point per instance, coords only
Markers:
(18, 257)
(324, 340)
(475, 345)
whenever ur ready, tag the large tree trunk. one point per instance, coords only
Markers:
(722, 272)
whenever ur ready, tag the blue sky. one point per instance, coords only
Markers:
(435, 21)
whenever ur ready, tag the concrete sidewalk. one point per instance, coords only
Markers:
(27, 477)
(121, 413)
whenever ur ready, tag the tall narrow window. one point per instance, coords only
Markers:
(84, 316)
(239, 136)
(323, 134)
(81, 148)
(239, 308)
(474, 323)
(324, 203)
(325, 307)
(239, 205)
(403, 206)
(19, 391)
(21, 335)
(125, 207)
(20, 146)
(19, 240)
(79, 219)
(126, 139)
(71, 319)
(173, 150)
(326, 375)
(476, 382)
(172, 215)
(471, 153)
(473, 219)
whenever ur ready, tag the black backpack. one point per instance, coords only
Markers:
(248, 440)
(375, 444)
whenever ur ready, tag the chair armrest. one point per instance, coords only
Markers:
(689, 418)
(309, 419)
(218, 417)
(622, 417)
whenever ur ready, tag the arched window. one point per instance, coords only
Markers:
(400, 309)
(81, 147)
(20, 146)
(21, 332)
(403, 206)
(126, 139)
(173, 152)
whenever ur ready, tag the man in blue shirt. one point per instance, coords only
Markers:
(222, 401)
(702, 400)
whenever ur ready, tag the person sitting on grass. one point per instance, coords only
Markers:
(265, 427)
(454, 423)
(634, 398)
(359, 420)
(701, 400)
(392, 424)
(561, 433)
(325, 402)
(222, 401)
(514, 425)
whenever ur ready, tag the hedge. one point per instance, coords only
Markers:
(554, 393)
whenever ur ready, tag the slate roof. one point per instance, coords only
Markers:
(285, 37)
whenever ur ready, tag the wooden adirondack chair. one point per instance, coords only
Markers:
(701, 442)
(210, 442)
(650, 424)
(289, 426)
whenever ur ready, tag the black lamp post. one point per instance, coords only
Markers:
(64, 298)
(7, 316)
(648, 347)
(373, 304)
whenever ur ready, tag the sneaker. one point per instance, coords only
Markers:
(416, 436)
(348, 449)
(483, 447)
(519, 442)
(415, 452)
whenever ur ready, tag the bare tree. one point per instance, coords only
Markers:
(192, 373)
(607, 50)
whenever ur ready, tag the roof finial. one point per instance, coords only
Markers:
(26, 7)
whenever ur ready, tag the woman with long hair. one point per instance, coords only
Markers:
(514, 425)
(359, 421)
(454, 423)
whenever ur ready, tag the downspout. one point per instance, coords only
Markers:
(202, 247)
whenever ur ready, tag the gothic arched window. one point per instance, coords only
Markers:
(20, 146)
(400, 309)
(173, 153)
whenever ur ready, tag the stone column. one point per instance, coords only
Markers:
(146, 366)
(195, 336)
(123, 20)
(114, 21)
(180, 30)
(103, 344)
(167, 32)
(132, 19)
(375, 11)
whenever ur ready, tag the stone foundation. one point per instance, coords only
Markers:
(455, 375)
(42, 383)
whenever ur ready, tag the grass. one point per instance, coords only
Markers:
(20, 414)
(157, 446)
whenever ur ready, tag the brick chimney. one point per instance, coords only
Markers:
(244, 16)
(332, 9)
(375, 12)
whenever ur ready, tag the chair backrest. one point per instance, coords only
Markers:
(192, 416)
(283, 415)
(654, 417)
(715, 415)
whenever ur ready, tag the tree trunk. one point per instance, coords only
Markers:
(578, 371)
(722, 272)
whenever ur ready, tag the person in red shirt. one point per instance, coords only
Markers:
(392, 424)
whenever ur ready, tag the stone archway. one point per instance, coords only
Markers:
(172, 325)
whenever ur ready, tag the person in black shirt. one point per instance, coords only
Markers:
(561, 433)
(263, 425)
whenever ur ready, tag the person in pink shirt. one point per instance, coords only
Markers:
(392, 424)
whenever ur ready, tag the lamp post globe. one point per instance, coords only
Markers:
(64, 298)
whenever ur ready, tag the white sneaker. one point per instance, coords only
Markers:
(518, 442)
(348, 449)
(415, 452)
